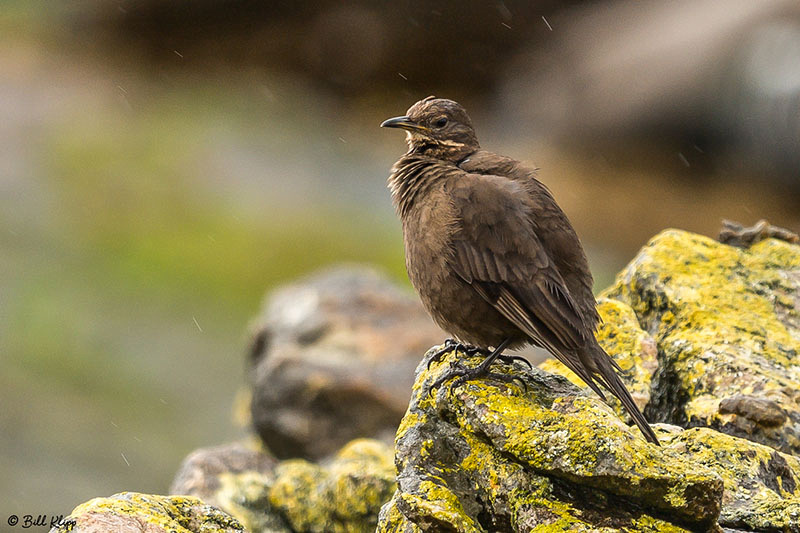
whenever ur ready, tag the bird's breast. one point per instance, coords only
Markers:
(452, 303)
(427, 229)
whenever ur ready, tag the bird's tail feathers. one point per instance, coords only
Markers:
(611, 381)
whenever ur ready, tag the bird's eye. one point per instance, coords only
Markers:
(441, 122)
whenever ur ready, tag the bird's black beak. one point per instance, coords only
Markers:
(404, 123)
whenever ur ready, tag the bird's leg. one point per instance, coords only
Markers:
(463, 374)
(452, 344)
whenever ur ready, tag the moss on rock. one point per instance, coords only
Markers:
(235, 477)
(245, 495)
(344, 493)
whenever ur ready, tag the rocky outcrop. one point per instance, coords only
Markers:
(343, 494)
(726, 322)
(489, 456)
(130, 512)
(709, 335)
(332, 359)
(762, 486)
(706, 335)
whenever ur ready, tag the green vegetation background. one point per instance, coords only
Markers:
(142, 219)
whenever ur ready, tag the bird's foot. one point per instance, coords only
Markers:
(463, 374)
(451, 345)
(508, 359)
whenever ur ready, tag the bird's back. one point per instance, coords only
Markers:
(550, 224)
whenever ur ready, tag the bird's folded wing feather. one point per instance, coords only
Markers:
(496, 250)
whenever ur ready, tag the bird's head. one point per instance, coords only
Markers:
(437, 127)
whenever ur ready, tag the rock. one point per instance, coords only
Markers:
(342, 495)
(490, 456)
(130, 512)
(762, 486)
(736, 234)
(333, 359)
(726, 322)
(235, 477)
(759, 410)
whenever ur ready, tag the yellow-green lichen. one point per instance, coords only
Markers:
(442, 507)
(762, 486)
(393, 521)
(343, 496)
(370, 451)
(725, 320)
(178, 514)
(293, 493)
(581, 440)
(362, 479)
(489, 469)
(646, 523)
(489, 449)
(410, 420)
(245, 495)
(499, 483)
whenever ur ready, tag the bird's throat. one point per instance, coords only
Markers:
(411, 176)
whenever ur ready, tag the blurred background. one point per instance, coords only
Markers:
(163, 163)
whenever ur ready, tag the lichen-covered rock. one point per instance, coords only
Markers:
(332, 359)
(726, 322)
(762, 486)
(491, 456)
(343, 494)
(131, 512)
(236, 477)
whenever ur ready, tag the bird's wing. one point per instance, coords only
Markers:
(495, 249)
(551, 225)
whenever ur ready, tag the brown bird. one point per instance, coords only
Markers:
(494, 259)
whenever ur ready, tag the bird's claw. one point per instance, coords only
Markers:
(463, 374)
(456, 369)
(452, 344)
(508, 359)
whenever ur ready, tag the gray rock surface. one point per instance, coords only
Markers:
(762, 486)
(234, 477)
(493, 456)
(332, 359)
